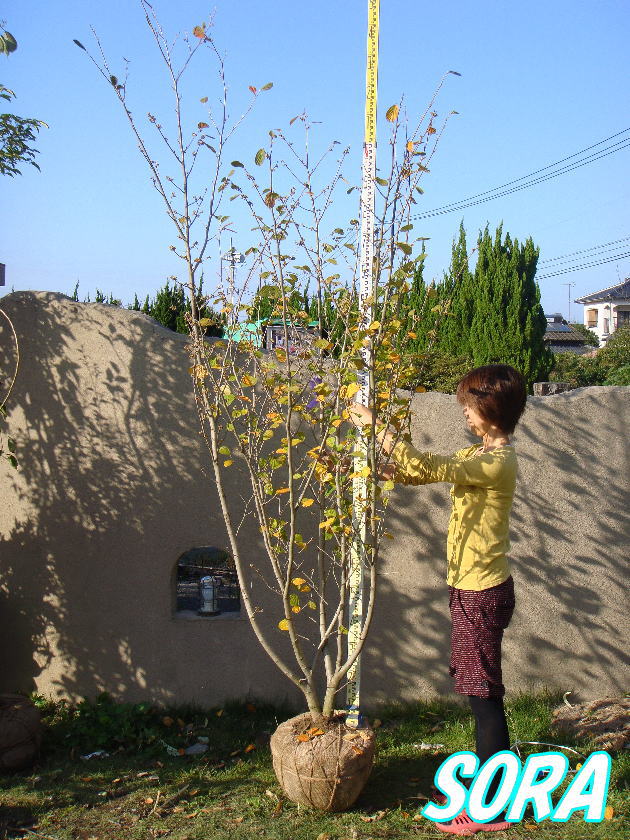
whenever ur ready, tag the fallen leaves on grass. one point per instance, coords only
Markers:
(374, 817)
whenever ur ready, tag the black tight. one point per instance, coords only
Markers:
(491, 732)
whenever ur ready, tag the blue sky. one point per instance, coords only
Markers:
(540, 81)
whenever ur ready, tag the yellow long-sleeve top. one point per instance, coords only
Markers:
(482, 494)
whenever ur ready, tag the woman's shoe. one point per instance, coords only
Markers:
(466, 827)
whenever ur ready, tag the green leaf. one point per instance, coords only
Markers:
(406, 228)
(205, 322)
(404, 247)
(261, 156)
(236, 164)
(224, 450)
(388, 485)
(268, 86)
(382, 181)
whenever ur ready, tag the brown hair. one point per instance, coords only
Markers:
(497, 393)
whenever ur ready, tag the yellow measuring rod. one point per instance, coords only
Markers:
(366, 297)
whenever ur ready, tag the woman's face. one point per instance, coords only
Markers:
(476, 422)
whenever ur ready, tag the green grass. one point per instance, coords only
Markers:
(139, 791)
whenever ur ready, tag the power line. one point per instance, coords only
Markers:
(583, 251)
(490, 195)
(583, 266)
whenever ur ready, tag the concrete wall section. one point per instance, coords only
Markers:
(111, 491)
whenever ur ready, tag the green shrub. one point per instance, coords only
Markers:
(578, 371)
(621, 376)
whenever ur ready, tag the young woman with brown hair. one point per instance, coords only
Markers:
(481, 589)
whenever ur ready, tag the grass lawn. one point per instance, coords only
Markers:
(141, 790)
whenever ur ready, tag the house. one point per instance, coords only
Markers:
(607, 310)
(560, 337)
(269, 333)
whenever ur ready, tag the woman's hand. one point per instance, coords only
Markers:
(360, 415)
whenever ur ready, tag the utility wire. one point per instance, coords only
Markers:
(583, 266)
(563, 257)
(515, 185)
(490, 195)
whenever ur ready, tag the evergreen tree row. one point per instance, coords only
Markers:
(169, 307)
(488, 315)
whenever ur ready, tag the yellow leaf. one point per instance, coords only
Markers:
(295, 609)
(250, 747)
(410, 146)
(312, 605)
(609, 812)
(305, 588)
(365, 472)
(420, 389)
(284, 624)
(228, 463)
(303, 738)
(199, 32)
(298, 581)
(314, 731)
(149, 800)
(282, 490)
(220, 713)
(197, 371)
(375, 325)
(351, 390)
(392, 113)
(307, 502)
(377, 723)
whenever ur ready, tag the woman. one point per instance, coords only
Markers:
(481, 590)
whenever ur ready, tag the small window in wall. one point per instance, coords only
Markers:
(591, 318)
(206, 583)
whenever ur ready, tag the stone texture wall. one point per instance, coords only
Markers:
(113, 487)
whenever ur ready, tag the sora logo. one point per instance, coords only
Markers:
(521, 785)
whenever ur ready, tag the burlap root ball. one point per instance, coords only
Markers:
(20, 732)
(328, 771)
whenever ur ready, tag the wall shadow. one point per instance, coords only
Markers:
(570, 537)
(110, 492)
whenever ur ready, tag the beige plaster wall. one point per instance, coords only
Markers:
(111, 490)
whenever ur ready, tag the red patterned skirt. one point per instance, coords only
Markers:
(478, 621)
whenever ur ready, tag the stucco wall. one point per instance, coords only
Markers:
(111, 490)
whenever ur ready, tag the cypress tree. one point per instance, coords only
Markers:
(508, 323)
(457, 291)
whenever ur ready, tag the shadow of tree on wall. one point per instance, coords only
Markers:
(111, 491)
(108, 451)
(570, 537)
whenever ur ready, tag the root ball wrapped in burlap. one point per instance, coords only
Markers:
(325, 771)
(20, 732)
